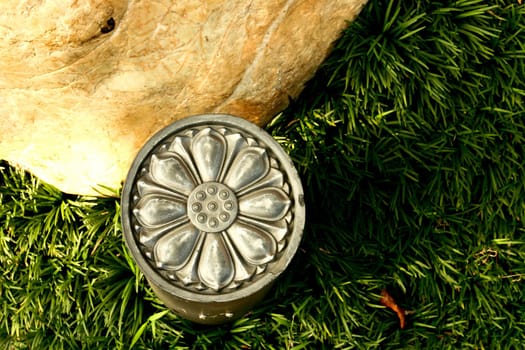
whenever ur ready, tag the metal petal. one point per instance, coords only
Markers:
(274, 178)
(156, 210)
(208, 149)
(278, 229)
(250, 165)
(243, 271)
(146, 185)
(256, 246)
(149, 236)
(216, 268)
(173, 250)
(235, 142)
(182, 146)
(270, 204)
(170, 170)
(189, 274)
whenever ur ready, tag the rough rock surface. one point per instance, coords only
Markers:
(83, 84)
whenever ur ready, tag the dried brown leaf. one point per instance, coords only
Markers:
(388, 301)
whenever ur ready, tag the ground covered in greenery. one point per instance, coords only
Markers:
(410, 142)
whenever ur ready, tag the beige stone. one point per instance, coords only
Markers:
(83, 84)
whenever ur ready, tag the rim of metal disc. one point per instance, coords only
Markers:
(218, 120)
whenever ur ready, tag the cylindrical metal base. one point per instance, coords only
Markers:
(209, 312)
(212, 212)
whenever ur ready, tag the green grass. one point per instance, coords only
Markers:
(410, 142)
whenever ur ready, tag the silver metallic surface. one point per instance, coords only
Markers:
(212, 212)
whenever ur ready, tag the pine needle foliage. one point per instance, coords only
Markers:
(410, 143)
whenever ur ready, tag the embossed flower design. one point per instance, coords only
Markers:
(212, 209)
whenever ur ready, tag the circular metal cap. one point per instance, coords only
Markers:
(212, 212)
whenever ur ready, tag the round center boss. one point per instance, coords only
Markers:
(212, 207)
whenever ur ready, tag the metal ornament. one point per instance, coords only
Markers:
(212, 212)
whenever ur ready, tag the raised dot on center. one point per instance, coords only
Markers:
(212, 206)
(224, 216)
(201, 218)
(200, 195)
